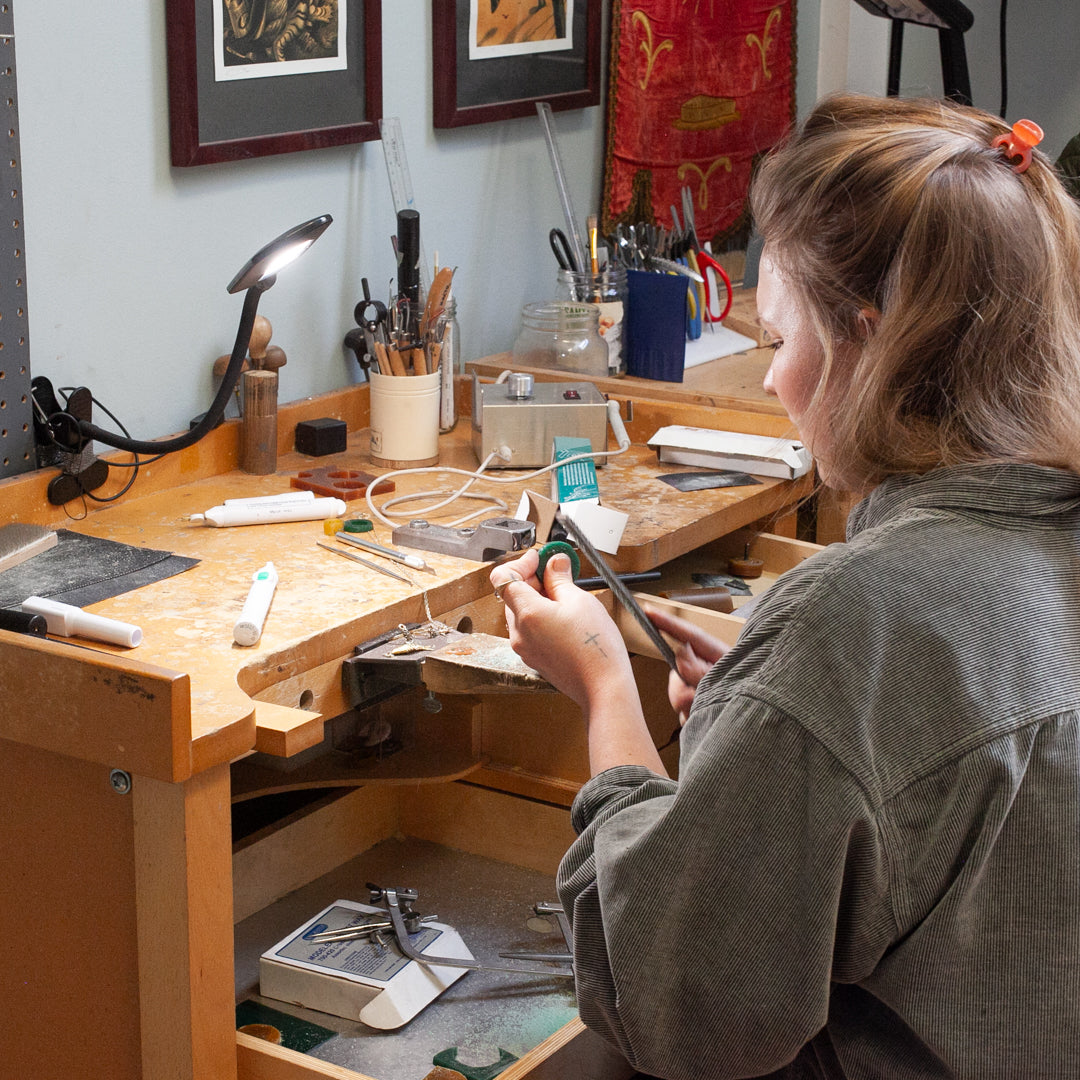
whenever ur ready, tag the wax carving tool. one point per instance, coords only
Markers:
(389, 553)
(366, 562)
(618, 589)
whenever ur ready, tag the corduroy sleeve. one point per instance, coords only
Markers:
(711, 915)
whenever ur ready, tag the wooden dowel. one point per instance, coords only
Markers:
(258, 431)
(397, 365)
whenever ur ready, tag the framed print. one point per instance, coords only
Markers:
(248, 78)
(495, 59)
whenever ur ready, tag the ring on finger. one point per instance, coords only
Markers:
(502, 585)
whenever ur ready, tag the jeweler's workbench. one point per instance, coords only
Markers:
(118, 765)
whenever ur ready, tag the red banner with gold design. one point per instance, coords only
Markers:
(698, 89)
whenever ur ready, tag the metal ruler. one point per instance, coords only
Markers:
(401, 190)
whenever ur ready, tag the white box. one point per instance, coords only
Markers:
(762, 455)
(354, 979)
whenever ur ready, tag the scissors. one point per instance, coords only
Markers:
(703, 262)
(706, 263)
(564, 253)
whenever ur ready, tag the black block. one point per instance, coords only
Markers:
(320, 437)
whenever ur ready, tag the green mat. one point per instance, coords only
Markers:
(300, 1035)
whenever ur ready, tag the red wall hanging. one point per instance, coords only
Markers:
(698, 89)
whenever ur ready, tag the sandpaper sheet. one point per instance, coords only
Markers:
(82, 570)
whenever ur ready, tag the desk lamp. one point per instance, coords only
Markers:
(950, 17)
(256, 276)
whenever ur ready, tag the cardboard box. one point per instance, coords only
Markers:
(575, 489)
(762, 455)
(576, 481)
(356, 979)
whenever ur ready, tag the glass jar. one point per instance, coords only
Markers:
(562, 335)
(608, 290)
(451, 363)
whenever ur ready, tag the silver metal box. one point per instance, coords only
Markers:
(525, 417)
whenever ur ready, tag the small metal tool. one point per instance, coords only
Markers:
(399, 906)
(481, 543)
(413, 922)
(618, 589)
(366, 562)
(389, 553)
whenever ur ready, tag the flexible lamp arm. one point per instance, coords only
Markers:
(216, 411)
(253, 278)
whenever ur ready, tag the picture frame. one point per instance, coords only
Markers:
(508, 82)
(218, 111)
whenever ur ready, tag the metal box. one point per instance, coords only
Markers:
(525, 417)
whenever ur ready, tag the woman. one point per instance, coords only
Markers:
(870, 863)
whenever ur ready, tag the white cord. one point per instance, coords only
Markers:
(462, 492)
(504, 452)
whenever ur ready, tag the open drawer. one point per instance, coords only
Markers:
(478, 858)
(777, 553)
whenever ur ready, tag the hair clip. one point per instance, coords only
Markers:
(1019, 142)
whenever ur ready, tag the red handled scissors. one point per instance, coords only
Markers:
(705, 263)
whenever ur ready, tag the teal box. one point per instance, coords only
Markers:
(577, 481)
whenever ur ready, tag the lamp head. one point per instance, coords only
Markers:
(261, 268)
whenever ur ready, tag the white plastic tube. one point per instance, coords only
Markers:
(66, 620)
(249, 627)
(296, 495)
(266, 513)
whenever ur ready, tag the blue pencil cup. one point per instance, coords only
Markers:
(655, 325)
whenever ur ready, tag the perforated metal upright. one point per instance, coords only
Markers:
(16, 410)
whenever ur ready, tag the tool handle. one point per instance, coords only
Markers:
(66, 620)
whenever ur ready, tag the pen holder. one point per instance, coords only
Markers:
(656, 325)
(404, 420)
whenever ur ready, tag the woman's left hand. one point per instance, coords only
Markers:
(562, 631)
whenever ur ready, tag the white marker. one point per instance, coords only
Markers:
(263, 513)
(249, 626)
(66, 620)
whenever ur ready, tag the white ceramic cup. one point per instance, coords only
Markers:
(404, 420)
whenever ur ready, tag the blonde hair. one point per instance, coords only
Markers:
(903, 232)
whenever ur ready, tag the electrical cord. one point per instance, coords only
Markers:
(133, 465)
(502, 452)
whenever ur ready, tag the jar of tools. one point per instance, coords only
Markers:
(608, 290)
(562, 335)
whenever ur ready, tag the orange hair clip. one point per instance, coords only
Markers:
(1025, 135)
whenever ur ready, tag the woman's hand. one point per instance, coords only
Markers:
(566, 634)
(560, 630)
(697, 652)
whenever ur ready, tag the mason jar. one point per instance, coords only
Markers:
(562, 335)
(608, 290)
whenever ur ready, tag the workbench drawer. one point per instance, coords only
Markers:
(479, 859)
(778, 554)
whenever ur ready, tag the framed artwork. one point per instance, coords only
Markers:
(495, 59)
(247, 79)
